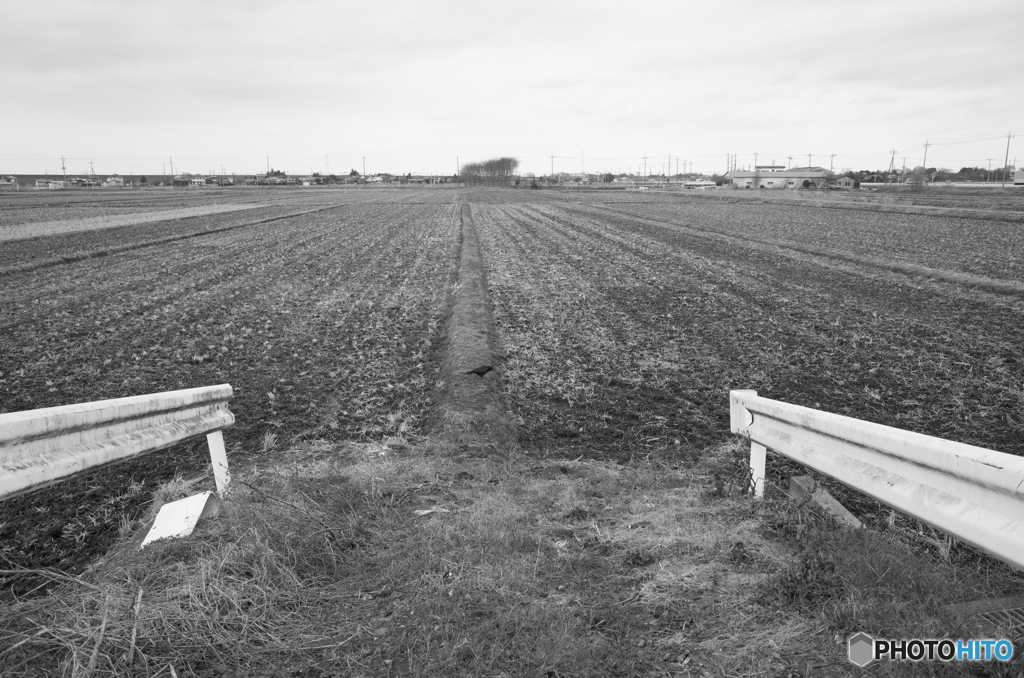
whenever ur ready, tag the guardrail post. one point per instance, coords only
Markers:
(758, 453)
(739, 419)
(219, 460)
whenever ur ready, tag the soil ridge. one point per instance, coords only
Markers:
(471, 409)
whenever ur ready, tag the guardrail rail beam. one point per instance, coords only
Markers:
(41, 447)
(974, 494)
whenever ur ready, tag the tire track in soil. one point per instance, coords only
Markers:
(471, 411)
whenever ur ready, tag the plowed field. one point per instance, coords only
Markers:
(326, 321)
(626, 323)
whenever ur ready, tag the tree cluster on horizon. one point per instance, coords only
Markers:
(493, 172)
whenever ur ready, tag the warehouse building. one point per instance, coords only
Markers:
(771, 177)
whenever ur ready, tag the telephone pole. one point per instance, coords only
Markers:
(364, 165)
(988, 177)
(809, 161)
(831, 163)
(645, 167)
(789, 161)
(926, 145)
(1006, 160)
(172, 171)
(755, 161)
(63, 169)
(552, 165)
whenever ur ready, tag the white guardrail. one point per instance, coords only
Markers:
(973, 494)
(41, 447)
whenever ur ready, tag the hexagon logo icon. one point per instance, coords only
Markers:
(861, 649)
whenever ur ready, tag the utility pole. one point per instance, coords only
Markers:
(755, 161)
(552, 165)
(926, 145)
(1006, 160)
(809, 161)
(364, 165)
(645, 167)
(63, 169)
(172, 171)
(789, 161)
(268, 165)
(988, 177)
(831, 163)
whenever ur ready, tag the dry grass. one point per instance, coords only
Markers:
(356, 560)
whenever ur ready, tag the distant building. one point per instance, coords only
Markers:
(1018, 178)
(796, 178)
(113, 181)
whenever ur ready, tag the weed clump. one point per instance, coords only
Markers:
(811, 580)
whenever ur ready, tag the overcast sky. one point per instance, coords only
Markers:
(414, 85)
